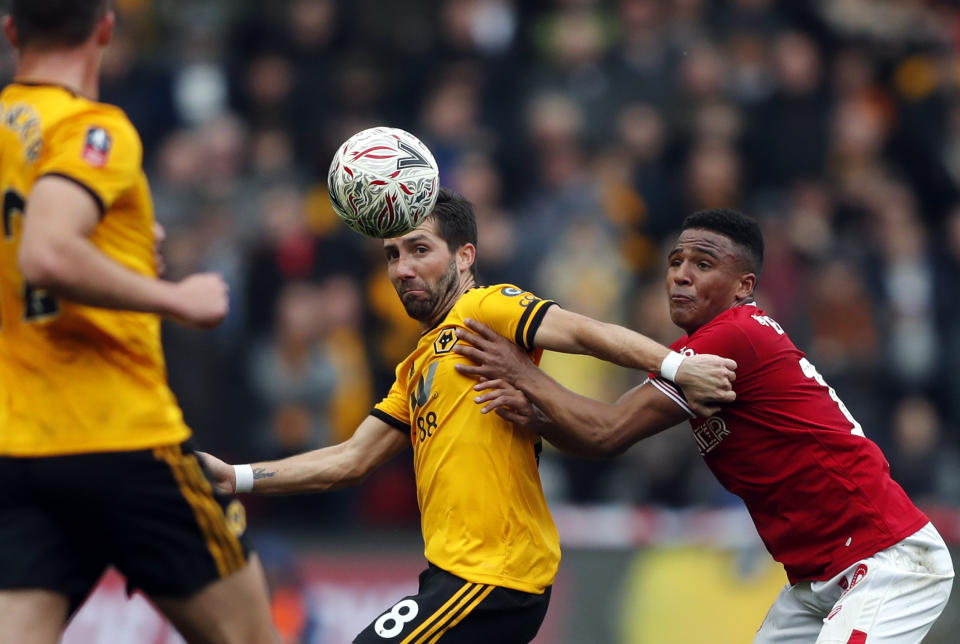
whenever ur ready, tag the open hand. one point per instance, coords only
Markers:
(494, 356)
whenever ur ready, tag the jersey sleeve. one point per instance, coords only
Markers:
(394, 409)
(726, 340)
(98, 150)
(513, 313)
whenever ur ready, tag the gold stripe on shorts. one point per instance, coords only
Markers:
(224, 547)
(442, 620)
(438, 614)
(231, 544)
(466, 611)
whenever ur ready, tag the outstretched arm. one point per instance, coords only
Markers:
(704, 379)
(578, 424)
(347, 463)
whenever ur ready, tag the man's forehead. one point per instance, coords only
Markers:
(701, 238)
(427, 231)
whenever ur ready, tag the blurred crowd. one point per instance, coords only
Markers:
(583, 131)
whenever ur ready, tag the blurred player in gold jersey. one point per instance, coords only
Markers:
(491, 544)
(93, 460)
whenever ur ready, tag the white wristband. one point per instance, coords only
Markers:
(244, 478)
(670, 365)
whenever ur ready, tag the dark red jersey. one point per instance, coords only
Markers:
(819, 492)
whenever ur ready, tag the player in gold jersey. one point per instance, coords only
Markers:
(490, 542)
(93, 460)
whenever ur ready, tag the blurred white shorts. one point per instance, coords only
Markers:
(892, 597)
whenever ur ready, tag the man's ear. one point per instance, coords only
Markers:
(10, 30)
(105, 28)
(466, 256)
(746, 286)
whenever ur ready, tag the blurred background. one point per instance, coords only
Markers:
(583, 131)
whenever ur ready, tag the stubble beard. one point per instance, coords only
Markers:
(423, 309)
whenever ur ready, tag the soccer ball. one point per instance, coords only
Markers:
(383, 182)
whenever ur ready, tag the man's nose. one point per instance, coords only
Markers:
(404, 267)
(681, 275)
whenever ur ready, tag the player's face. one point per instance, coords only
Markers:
(704, 278)
(423, 270)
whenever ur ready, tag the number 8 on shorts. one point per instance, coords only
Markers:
(390, 624)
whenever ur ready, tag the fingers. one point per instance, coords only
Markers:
(471, 353)
(705, 410)
(474, 371)
(490, 395)
(511, 416)
(496, 401)
(467, 336)
(481, 329)
(487, 383)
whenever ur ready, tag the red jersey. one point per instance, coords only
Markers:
(819, 492)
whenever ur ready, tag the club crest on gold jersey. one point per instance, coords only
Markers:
(445, 341)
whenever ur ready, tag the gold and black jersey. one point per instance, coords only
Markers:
(484, 516)
(75, 378)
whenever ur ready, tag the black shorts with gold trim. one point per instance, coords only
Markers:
(448, 609)
(150, 513)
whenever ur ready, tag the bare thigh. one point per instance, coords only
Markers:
(232, 610)
(32, 616)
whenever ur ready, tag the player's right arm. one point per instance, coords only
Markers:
(574, 423)
(56, 254)
(705, 379)
(345, 464)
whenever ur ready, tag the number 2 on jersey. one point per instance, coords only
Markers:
(36, 303)
(811, 372)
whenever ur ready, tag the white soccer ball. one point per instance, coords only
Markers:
(383, 182)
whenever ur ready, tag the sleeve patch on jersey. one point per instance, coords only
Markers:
(510, 291)
(96, 146)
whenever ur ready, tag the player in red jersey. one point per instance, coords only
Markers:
(863, 563)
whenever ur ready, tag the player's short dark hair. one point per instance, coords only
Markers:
(56, 23)
(456, 223)
(744, 231)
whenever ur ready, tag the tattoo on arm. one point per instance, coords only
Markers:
(262, 473)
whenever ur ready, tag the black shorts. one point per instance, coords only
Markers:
(450, 609)
(150, 513)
